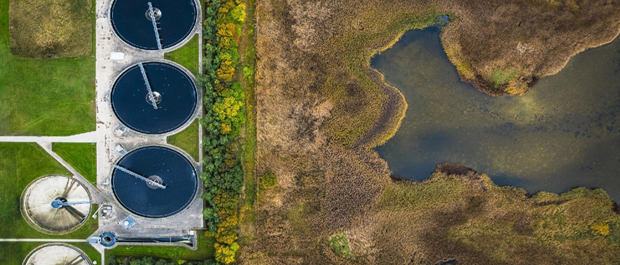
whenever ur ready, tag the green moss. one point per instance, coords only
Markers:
(187, 56)
(20, 164)
(81, 156)
(44, 97)
(188, 140)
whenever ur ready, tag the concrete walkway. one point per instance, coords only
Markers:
(98, 197)
(89, 137)
(43, 240)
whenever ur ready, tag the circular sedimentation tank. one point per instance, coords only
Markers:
(154, 181)
(56, 254)
(175, 21)
(173, 90)
(56, 204)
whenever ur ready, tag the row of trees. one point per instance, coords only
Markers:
(223, 119)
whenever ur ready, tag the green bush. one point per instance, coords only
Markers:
(268, 180)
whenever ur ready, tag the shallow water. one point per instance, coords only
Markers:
(562, 134)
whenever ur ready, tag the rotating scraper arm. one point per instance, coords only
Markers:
(152, 14)
(140, 177)
(148, 86)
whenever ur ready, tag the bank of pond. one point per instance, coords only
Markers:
(562, 134)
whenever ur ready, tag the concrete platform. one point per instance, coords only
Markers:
(109, 65)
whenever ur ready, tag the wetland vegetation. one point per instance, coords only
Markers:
(321, 110)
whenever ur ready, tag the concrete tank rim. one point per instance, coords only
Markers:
(195, 113)
(185, 155)
(197, 26)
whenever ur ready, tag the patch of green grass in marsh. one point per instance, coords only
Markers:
(44, 97)
(82, 156)
(188, 140)
(340, 245)
(205, 251)
(500, 77)
(187, 56)
(20, 164)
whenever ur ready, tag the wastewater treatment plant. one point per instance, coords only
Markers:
(161, 132)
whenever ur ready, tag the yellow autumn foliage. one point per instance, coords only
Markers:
(601, 229)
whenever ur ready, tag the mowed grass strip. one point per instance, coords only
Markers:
(187, 56)
(46, 97)
(20, 164)
(81, 156)
(187, 140)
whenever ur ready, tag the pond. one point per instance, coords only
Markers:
(562, 134)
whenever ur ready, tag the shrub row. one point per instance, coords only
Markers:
(222, 121)
(153, 261)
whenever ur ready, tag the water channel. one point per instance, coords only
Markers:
(562, 134)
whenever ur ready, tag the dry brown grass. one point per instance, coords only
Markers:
(320, 107)
(49, 29)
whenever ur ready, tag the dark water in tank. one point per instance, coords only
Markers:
(130, 22)
(564, 133)
(176, 107)
(175, 171)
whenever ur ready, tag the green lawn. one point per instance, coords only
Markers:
(82, 156)
(14, 253)
(205, 251)
(44, 97)
(187, 140)
(187, 56)
(20, 164)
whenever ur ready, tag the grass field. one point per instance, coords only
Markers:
(205, 251)
(187, 56)
(45, 97)
(82, 156)
(20, 164)
(187, 140)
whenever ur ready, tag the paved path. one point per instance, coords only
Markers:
(97, 196)
(43, 240)
(89, 137)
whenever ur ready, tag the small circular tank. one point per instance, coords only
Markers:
(56, 204)
(56, 253)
